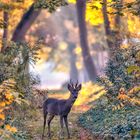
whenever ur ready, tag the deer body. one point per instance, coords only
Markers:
(57, 107)
(62, 108)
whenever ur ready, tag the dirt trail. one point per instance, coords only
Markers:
(35, 124)
(77, 133)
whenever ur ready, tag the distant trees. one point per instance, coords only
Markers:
(72, 59)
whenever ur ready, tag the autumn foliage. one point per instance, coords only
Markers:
(7, 98)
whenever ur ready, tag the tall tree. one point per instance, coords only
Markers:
(88, 62)
(113, 39)
(118, 23)
(25, 23)
(5, 32)
(108, 31)
(23, 26)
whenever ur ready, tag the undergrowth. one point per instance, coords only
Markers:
(124, 122)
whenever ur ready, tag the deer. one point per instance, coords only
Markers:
(60, 107)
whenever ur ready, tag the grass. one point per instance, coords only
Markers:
(88, 94)
(35, 127)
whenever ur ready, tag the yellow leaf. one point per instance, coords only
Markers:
(1, 131)
(7, 127)
(2, 104)
(122, 97)
(13, 129)
(6, 1)
(8, 102)
(9, 96)
(72, 1)
(1, 110)
(2, 116)
(94, 13)
(63, 46)
(78, 50)
(10, 128)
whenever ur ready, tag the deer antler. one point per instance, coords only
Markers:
(76, 85)
(71, 83)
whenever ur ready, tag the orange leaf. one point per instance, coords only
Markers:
(2, 116)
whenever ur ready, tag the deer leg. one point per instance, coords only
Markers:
(45, 116)
(49, 121)
(66, 124)
(61, 124)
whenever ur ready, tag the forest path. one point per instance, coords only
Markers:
(77, 133)
(86, 99)
(35, 124)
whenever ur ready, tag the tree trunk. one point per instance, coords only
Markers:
(118, 25)
(5, 32)
(108, 31)
(118, 17)
(88, 62)
(73, 68)
(25, 23)
(23, 26)
(113, 39)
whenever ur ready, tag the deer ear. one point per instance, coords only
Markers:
(69, 87)
(79, 87)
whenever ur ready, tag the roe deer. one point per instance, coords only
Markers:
(62, 108)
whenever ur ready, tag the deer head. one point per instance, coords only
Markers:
(74, 89)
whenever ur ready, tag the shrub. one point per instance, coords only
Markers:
(121, 116)
(15, 83)
(120, 72)
(105, 121)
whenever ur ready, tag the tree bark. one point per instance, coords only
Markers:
(5, 32)
(113, 39)
(25, 23)
(118, 17)
(87, 59)
(108, 31)
(118, 25)
(73, 68)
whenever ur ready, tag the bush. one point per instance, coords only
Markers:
(15, 84)
(120, 118)
(116, 74)
(105, 121)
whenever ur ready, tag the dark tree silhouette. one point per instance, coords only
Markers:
(112, 38)
(108, 31)
(25, 23)
(88, 62)
(5, 33)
